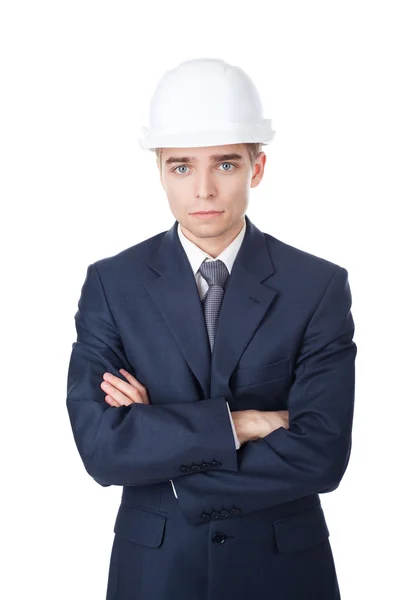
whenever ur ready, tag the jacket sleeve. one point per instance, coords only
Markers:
(138, 444)
(312, 455)
(237, 442)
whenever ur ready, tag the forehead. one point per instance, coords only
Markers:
(204, 154)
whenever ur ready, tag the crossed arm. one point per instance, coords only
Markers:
(249, 424)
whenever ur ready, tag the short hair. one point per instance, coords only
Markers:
(253, 149)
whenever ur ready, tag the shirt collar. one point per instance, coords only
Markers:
(196, 256)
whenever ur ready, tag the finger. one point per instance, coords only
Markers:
(135, 383)
(111, 401)
(116, 394)
(131, 379)
(112, 383)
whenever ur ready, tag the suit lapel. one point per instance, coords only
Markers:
(246, 299)
(174, 291)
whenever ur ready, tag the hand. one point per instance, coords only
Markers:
(270, 420)
(254, 424)
(246, 423)
(121, 393)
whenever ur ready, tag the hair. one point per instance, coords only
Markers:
(253, 149)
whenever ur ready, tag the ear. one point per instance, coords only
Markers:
(258, 171)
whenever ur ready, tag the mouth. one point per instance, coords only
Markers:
(203, 214)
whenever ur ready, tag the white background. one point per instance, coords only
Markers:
(76, 80)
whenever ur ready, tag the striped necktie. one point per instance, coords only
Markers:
(216, 274)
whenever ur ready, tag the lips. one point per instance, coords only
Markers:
(208, 215)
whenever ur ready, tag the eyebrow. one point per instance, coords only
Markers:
(214, 157)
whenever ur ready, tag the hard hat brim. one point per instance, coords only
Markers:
(229, 134)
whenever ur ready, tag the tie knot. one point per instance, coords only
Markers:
(214, 272)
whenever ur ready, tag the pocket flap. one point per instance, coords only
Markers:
(301, 530)
(139, 525)
(262, 374)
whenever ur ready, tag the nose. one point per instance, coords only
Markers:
(205, 186)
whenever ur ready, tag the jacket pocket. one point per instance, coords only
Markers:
(301, 530)
(139, 525)
(263, 374)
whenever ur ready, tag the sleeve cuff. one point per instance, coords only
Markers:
(174, 489)
(237, 443)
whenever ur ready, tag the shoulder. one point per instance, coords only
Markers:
(132, 259)
(296, 263)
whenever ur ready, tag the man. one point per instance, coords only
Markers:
(213, 372)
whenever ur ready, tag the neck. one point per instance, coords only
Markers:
(214, 246)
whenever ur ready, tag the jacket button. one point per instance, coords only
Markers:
(205, 516)
(195, 468)
(216, 463)
(235, 512)
(224, 513)
(205, 465)
(219, 537)
(184, 469)
(215, 515)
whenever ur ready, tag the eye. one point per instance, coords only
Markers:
(179, 167)
(227, 163)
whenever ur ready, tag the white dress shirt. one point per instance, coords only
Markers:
(196, 257)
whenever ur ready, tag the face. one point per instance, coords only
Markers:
(210, 178)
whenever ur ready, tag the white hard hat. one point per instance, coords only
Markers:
(205, 102)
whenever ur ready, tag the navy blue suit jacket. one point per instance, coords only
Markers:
(247, 522)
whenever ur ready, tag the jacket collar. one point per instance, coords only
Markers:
(196, 255)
